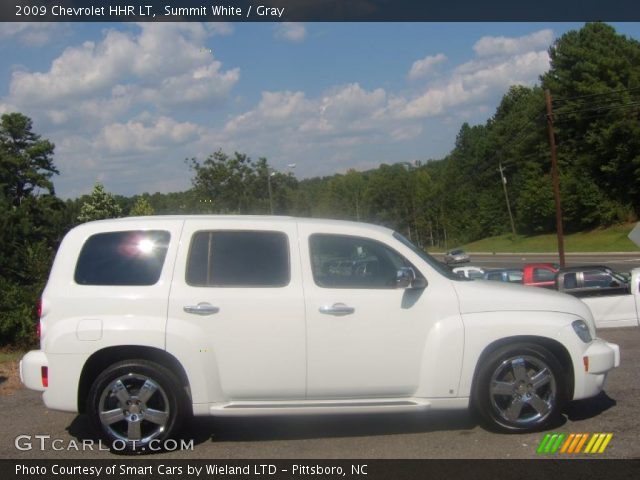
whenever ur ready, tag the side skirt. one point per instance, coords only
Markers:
(311, 407)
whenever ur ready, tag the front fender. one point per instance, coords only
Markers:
(486, 328)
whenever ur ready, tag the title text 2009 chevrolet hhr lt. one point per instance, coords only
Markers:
(147, 320)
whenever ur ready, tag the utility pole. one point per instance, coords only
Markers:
(269, 175)
(506, 196)
(554, 176)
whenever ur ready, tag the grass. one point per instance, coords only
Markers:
(612, 239)
(11, 355)
(9, 373)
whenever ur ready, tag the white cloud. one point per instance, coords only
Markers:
(343, 110)
(492, 46)
(136, 136)
(219, 28)
(88, 102)
(291, 31)
(424, 67)
(482, 78)
(438, 99)
(33, 34)
(160, 63)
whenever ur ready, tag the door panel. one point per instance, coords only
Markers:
(248, 314)
(372, 344)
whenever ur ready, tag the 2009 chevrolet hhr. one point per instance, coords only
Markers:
(146, 320)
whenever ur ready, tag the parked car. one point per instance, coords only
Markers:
(591, 280)
(540, 275)
(147, 320)
(614, 301)
(510, 275)
(456, 256)
(469, 271)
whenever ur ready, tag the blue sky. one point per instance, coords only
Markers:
(125, 104)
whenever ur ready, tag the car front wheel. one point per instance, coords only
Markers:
(520, 388)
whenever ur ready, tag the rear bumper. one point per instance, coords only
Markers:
(598, 360)
(31, 370)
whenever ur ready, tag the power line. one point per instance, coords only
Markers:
(591, 95)
(598, 111)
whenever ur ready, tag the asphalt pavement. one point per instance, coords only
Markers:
(430, 435)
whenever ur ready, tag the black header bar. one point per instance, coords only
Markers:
(318, 10)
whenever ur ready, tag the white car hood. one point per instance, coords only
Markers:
(490, 296)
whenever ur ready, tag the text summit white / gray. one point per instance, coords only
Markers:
(260, 10)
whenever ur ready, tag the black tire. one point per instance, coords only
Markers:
(520, 388)
(136, 405)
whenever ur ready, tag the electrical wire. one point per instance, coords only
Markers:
(611, 92)
(600, 112)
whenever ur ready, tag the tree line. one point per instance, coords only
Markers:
(594, 78)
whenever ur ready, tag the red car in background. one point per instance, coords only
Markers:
(540, 275)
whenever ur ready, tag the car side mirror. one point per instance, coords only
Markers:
(406, 278)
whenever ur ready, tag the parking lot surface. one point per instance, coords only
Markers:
(431, 435)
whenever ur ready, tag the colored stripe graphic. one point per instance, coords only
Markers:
(573, 443)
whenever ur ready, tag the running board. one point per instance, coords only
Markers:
(302, 407)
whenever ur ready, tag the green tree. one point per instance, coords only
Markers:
(142, 207)
(595, 77)
(26, 160)
(227, 184)
(32, 221)
(100, 205)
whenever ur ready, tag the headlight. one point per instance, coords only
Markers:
(582, 330)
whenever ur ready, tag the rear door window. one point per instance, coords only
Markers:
(238, 259)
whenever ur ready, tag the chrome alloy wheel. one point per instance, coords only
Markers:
(134, 408)
(523, 390)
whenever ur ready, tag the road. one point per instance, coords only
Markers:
(432, 435)
(621, 262)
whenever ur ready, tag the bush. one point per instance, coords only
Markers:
(17, 315)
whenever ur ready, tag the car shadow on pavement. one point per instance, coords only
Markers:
(245, 429)
(590, 407)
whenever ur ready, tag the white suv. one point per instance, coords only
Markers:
(147, 320)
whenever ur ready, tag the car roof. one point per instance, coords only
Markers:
(269, 219)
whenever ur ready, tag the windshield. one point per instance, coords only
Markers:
(620, 277)
(439, 266)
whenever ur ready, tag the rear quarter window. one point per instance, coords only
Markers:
(127, 258)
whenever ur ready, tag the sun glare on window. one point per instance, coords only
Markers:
(145, 246)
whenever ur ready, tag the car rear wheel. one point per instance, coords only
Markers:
(520, 388)
(136, 404)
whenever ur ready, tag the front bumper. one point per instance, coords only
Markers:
(597, 360)
(31, 369)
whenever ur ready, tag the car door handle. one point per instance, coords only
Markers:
(203, 308)
(337, 309)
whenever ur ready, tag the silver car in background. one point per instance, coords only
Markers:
(456, 256)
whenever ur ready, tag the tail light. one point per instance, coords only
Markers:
(44, 372)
